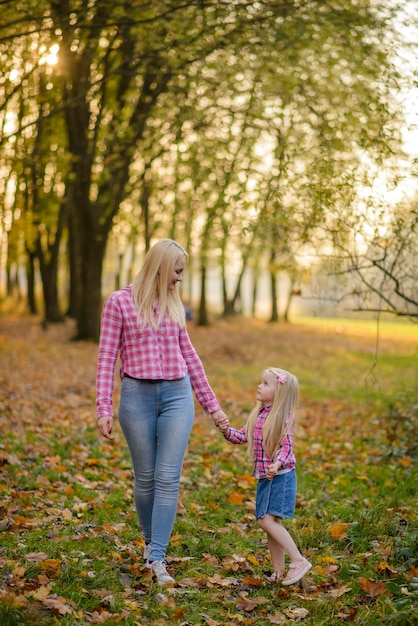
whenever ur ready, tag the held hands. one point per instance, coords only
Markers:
(272, 469)
(221, 420)
(106, 426)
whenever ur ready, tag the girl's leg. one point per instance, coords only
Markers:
(280, 536)
(277, 554)
(299, 566)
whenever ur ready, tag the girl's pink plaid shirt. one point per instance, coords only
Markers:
(285, 453)
(164, 354)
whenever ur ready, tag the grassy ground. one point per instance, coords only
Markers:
(70, 550)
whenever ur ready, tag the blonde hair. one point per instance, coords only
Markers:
(281, 416)
(150, 285)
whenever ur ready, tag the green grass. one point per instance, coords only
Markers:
(69, 494)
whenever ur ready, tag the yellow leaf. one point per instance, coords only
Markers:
(253, 582)
(406, 461)
(236, 498)
(337, 531)
(176, 539)
(53, 564)
(385, 568)
(40, 594)
(252, 559)
(19, 571)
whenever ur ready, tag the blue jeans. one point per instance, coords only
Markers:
(156, 419)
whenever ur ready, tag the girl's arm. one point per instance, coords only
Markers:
(285, 455)
(234, 435)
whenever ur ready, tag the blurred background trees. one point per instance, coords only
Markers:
(252, 132)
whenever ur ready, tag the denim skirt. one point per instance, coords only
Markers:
(277, 496)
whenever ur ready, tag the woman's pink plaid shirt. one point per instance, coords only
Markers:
(285, 453)
(164, 354)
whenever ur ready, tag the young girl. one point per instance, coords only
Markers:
(269, 430)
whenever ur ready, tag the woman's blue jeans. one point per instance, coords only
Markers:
(156, 419)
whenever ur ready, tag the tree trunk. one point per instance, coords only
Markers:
(254, 294)
(202, 319)
(30, 276)
(274, 297)
(74, 263)
(49, 275)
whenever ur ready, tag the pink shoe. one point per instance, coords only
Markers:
(297, 571)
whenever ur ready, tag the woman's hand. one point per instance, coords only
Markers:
(106, 426)
(221, 420)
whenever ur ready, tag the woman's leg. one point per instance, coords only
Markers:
(138, 420)
(174, 422)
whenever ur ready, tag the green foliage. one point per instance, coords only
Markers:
(225, 124)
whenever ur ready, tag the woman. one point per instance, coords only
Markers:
(144, 323)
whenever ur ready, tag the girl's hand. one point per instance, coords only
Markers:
(272, 469)
(224, 425)
(106, 426)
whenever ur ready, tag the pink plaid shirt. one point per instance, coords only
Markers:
(164, 354)
(285, 453)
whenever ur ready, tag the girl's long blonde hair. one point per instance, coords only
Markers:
(282, 412)
(150, 285)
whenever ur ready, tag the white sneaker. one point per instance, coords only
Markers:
(160, 570)
(147, 552)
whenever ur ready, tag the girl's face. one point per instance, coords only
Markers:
(177, 275)
(266, 389)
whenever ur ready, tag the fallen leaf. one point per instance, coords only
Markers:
(6, 523)
(36, 557)
(278, 618)
(40, 594)
(338, 531)
(58, 605)
(209, 558)
(252, 559)
(298, 613)
(253, 582)
(209, 621)
(371, 587)
(336, 593)
(236, 498)
(386, 569)
(249, 604)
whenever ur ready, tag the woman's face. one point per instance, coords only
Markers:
(177, 275)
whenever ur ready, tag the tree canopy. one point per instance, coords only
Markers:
(235, 127)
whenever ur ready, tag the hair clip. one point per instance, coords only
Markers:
(282, 379)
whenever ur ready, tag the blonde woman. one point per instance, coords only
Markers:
(145, 325)
(269, 431)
